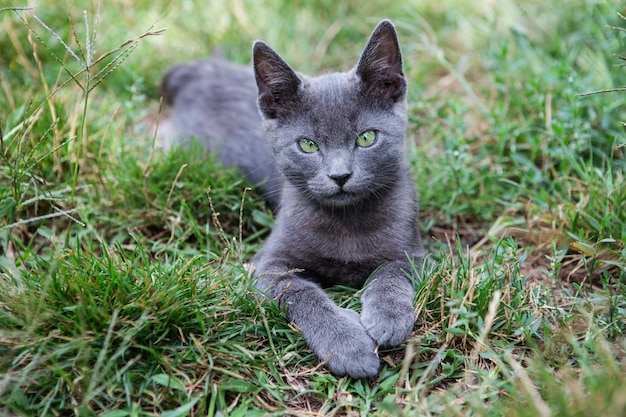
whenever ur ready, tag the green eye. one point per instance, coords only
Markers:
(307, 145)
(367, 138)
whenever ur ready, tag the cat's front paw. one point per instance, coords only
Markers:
(389, 325)
(349, 350)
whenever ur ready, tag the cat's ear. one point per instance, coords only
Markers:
(380, 65)
(278, 84)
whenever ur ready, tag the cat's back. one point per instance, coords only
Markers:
(211, 97)
(214, 102)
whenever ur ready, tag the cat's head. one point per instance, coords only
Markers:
(338, 138)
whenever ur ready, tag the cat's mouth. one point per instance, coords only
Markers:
(336, 195)
(341, 198)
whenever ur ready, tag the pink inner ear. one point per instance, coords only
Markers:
(277, 83)
(266, 100)
(380, 65)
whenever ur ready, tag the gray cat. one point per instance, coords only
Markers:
(347, 209)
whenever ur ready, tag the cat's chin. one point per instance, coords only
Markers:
(341, 199)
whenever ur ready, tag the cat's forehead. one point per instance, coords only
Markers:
(334, 93)
(332, 84)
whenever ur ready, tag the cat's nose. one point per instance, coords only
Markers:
(340, 179)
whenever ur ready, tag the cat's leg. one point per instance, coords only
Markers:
(335, 334)
(388, 314)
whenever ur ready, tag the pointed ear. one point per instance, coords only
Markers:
(277, 83)
(380, 65)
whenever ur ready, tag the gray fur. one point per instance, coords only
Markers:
(347, 213)
(214, 101)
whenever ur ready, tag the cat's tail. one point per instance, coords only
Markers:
(173, 85)
(180, 75)
(175, 79)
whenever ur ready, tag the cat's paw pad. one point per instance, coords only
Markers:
(350, 351)
(357, 363)
(389, 327)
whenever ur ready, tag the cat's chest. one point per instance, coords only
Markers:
(342, 247)
(347, 256)
(354, 245)
(349, 240)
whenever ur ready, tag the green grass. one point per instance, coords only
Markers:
(123, 288)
